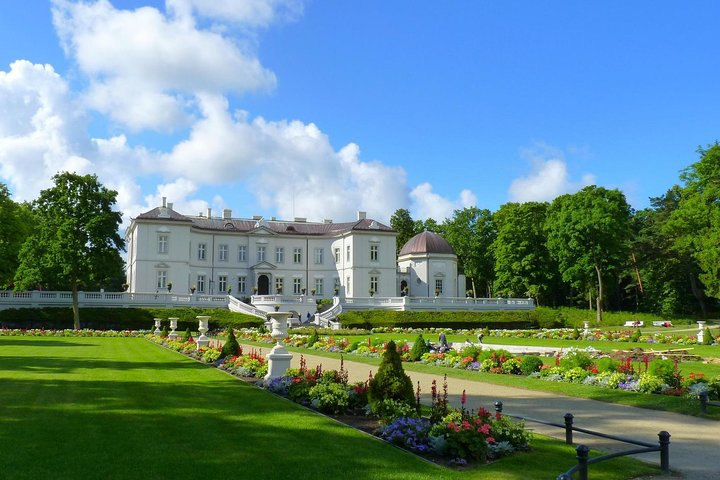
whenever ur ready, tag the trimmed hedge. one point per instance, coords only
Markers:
(123, 318)
(499, 319)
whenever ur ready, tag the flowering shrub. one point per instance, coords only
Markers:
(41, 332)
(466, 436)
(329, 397)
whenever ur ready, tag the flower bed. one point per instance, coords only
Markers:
(447, 436)
(41, 332)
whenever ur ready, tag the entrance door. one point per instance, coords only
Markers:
(403, 288)
(263, 285)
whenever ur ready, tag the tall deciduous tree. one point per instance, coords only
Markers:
(588, 234)
(523, 266)
(15, 223)
(75, 240)
(695, 225)
(402, 222)
(471, 232)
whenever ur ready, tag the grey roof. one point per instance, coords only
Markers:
(426, 242)
(275, 226)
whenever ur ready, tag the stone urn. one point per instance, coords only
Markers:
(278, 358)
(701, 331)
(173, 327)
(203, 341)
(586, 328)
(157, 326)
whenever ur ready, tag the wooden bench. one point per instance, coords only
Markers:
(634, 323)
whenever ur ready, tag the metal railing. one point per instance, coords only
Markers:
(704, 403)
(583, 451)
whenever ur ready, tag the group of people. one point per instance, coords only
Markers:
(443, 345)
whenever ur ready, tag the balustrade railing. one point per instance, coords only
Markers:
(37, 299)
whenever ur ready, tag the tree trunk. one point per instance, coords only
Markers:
(75, 306)
(698, 293)
(472, 282)
(600, 294)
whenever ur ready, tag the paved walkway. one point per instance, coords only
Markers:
(694, 442)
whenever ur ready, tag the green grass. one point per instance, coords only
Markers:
(119, 408)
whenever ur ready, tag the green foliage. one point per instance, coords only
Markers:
(402, 222)
(667, 370)
(15, 225)
(419, 348)
(75, 240)
(607, 364)
(389, 409)
(313, 338)
(588, 234)
(635, 337)
(531, 364)
(231, 347)
(708, 338)
(391, 382)
(497, 319)
(187, 336)
(329, 397)
(576, 358)
(165, 331)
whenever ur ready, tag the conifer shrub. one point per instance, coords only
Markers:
(187, 336)
(313, 338)
(419, 348)
(231, 346)
(708, 338)
(635, 337)
(165, 332)
(391, 381)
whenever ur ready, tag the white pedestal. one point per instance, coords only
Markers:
(173, 327)
(203, 341)
(278, 358)
(157, 326)
(701, 332)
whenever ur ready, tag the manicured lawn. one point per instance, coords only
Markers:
(119, 408)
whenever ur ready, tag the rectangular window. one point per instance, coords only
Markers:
(161, 279)
(222, 283)
(279, 285)
(261, 254)
(348, 253)
(202, 249)
(438, 286)
(347, 286)
(337, 284)
(373, 284)
(162, 244)
(318, 286)
(374, 249)
(242, 284)
(337, 255)
(242, 253)
(279, 255)
(297, 255)
(318, 256)
(201, 283)
(223, 254)
(297, 286)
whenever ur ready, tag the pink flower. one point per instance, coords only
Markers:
(485, 428)
(451, 425)
(490, 440)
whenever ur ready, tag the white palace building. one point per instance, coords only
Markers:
(206, 260)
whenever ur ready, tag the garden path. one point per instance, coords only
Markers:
(694, 443)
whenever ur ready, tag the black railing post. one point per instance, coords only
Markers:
(583, 453)
(703, 403)
(568, 428)
(664, 451)
(498, 406)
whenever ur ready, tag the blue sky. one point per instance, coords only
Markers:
(318, 109)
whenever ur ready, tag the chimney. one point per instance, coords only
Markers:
(362, 215)
(170, 205)
(164, 201)
(227, 214)
(209, 212)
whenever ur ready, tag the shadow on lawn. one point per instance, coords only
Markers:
(67, 365)
(25, 342)
(219, 429)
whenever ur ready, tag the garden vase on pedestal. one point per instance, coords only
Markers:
(701, 331)
(278, 358)
(203, 341)
(173, 327)
(586, 328)
(157, 326)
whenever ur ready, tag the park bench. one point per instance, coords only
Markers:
(634, 323)
(662, 323)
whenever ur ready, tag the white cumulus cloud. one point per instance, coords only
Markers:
(548, 177)
(428, 204)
